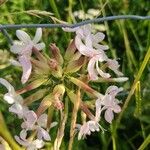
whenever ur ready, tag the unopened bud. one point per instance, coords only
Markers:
(59, 89)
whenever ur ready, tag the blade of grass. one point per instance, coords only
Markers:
(107, 29)
(5, 134)
(54, 7)
(137, 78)
(145, 143)
(130, 56)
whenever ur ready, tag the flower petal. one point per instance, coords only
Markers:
(21, 142)
(101, 73)
(38, 143)
(30, 119)
(26, 66)
(42, 120)
(40, 46)
(17, 49)
(98, 37)
(23, 134)
(9, 87)
(43, 134)
(14, 62)
(38, 35)
(82, 48)
(98, 105)
(9, 98)
(109, 115)
(116, 108)
(23, 36)
(91, 69)
(114, 66)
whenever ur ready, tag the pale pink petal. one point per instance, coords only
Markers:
(23, 134)
(101, 47)
(101, 73)
(17, 48)
(42, 120)
(53, 124)
(98, 37)
(93, 126)
(91, 69)
(43, 134)
(26, 66)
(98, 105)
(109, 115)
(38, 35)
(114, 66)
(9, 98)
(107, 100)
(83, 131)
(21, 142)
(23, 36)
(88, 41)
(40, 46)
(86, 29)
(14, 62)
(16, 108)
(27, 51)
(82, 48)
(113, 90)
(116, 108)
(9, 87)
(38, 143)
(30, 119)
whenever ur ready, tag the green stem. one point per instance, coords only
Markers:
(145, 143)
(54, 7)
(5, 134)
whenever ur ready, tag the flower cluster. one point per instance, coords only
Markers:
(53, 78)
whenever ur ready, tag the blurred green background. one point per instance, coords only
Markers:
(128, 40)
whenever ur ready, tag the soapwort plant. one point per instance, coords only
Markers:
(57, 79)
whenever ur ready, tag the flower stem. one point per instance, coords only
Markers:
(74, 119)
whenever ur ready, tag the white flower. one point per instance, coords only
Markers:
(30, 145)
(88, 45)
(109, 103)
(87, 128)
(24, 50)
(18, 109)
(113, 65)
(10, 97)
(31, 122)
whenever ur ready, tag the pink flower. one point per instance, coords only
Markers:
(88, 45)
(10, 97)
(113, 65)
(29, 144)
(87, 128)
(31, 122)
(24, 49)
(18, 109)
(108, 103)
